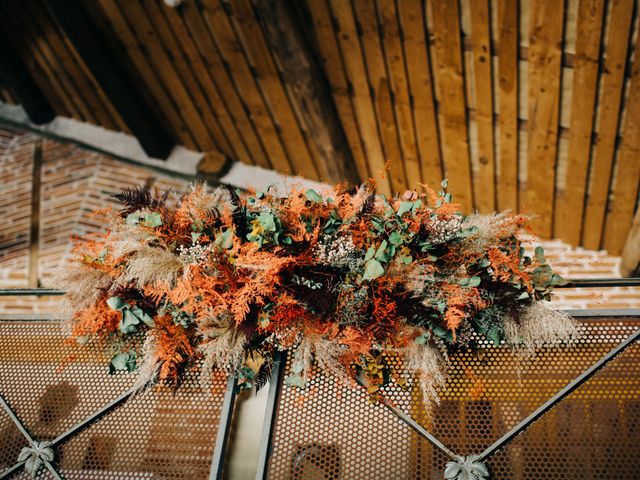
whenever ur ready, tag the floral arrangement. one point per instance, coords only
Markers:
(344, 279)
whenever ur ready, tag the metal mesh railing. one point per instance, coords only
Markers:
(54, 389)
(333, 432)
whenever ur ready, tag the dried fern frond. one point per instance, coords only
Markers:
(140, 197)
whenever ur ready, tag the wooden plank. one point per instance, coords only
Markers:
(612, 81)
(233, 142)
(484, 181)
(232, 52)
(545, 51)
(60, 68)
(625, 185)
(349, 44)
(34, 229)
(17, 78)
(167, 73)
(110, 11)
(394, 56)
(224, 83)
(215, 137)
(261, 59)
(366, 17)
(80, 30)
(450, 82)
(570, 202)
(416, 53)
(24, 40)
(333, 67)
(630, 264)
(81, 82)
(507, 190)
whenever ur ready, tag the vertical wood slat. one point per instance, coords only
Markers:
(627, 179)
(214, 137)
(484, 180)
(58, 61)
(450, 81)
(36, 61)
(507, 185)
(545, 53)
(380, 86)
(226, 86)
(363, 106)
(569, 204)
(416, 53)
(91, 93)
(236, 146)
(232, 53)
(168, 74)
(109, 10)
(608, 112)
(277, 98)
(397, 72)
(333, 68)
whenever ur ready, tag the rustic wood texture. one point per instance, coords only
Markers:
(608, 112)
(451, 96)
(529, 106)
(570, 203)
(484, 180)
(507, 184)
(545, 52)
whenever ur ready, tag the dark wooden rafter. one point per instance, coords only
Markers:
(15, 76)
(84, 36)
(310, 90)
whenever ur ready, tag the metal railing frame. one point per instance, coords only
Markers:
(586, 315)
(222, 436)
(276, 380)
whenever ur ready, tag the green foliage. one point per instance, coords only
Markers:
(132, 316)
(313, 196)
(123, 361)
(148, 219)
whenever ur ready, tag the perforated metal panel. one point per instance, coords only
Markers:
(333, 432)
(159, 433)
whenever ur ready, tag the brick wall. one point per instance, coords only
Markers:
(76, 181)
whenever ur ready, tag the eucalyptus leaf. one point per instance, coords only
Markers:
(373, 269)
(313, 196)
(404, 208)
(474, 281)
(116, 303)
(152, 219)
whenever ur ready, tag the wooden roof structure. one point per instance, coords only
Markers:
(529, 105)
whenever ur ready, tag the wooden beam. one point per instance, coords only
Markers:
(611, 86)
(366, 19)
(93, 51)
(625, 185)
(484, 180)
(16, 78)
(546, 20)
(570, 200)
(507, 152)
(310, 90)
(416, 52)
(449, 74)
(34, 230)
(330, 58)
(630, 264)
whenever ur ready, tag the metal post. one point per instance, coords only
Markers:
(226, 415)
(275, 384)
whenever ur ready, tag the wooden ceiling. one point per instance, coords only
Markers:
(531, 106)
